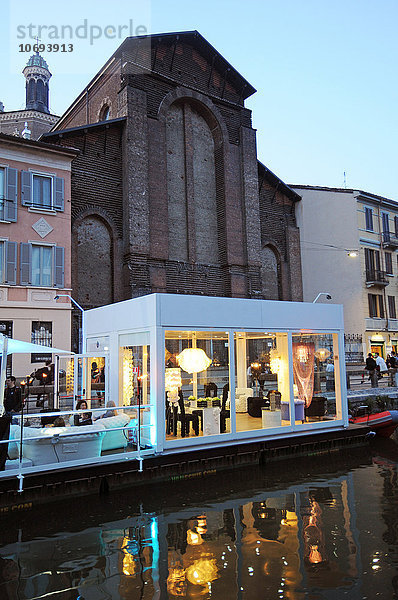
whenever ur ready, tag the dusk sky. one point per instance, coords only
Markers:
(325, 74)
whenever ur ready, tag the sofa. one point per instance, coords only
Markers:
(241, 396)
(60, 444)
(112, 439)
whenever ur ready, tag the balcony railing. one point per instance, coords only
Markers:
(376, 277)
(389, 240)
(377, 324)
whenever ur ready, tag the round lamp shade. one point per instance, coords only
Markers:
(193, 360)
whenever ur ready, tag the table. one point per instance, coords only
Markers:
(271, 418)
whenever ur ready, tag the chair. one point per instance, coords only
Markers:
(255, 404)
(317, 408)
(187, 418)
(173, 416)
(225, 413)
(210, 390)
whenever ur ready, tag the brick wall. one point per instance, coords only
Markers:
(130, 174)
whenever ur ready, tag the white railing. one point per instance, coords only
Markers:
(63, 443)
(375, 324)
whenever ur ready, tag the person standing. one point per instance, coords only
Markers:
(380, 365)
(371, 368)
(330, 375)
(394, 365)
(12, 397)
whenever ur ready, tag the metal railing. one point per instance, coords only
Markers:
(135, 432)
(376, 277)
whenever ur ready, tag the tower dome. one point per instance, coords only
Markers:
(37, 77)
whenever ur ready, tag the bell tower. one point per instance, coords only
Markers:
(37, 77)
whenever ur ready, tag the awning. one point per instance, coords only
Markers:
(20, 347)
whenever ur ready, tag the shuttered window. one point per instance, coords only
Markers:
(391, 307)
(42, 191)
(376, 305)
(388, 259)
(42, 266)
(368, 218)
(8, 194)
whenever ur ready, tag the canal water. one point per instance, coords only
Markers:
(317, 528)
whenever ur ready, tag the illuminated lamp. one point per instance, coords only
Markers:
(202, 571)
(322, 354)
(172, 383)
(302, 353)
(193, 360)
(193, 538)
(275, 362)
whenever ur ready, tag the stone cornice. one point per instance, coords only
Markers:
(26, 115)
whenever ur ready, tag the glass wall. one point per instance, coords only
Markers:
(89, 374)
(261, 380)
(315, 370)
(196, 383)
(134, 382)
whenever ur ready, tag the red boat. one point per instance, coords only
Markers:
(383, 423)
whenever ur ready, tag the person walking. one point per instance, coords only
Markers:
(371, 368)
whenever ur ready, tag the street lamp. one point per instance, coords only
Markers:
(328, 296)
(82, 345)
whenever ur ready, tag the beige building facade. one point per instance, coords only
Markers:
(349, 243)
(35, 246)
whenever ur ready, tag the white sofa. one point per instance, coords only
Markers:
(241, 396)
(115, 439)
(58, 444)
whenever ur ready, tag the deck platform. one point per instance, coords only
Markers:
(56, 485)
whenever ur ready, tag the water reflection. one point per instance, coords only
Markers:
(301, 532)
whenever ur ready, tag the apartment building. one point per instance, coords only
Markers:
(349, 243)
(35, 245)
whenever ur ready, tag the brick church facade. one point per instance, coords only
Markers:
(167, 191)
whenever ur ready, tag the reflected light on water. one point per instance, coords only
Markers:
(312, 537)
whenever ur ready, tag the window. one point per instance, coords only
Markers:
(376, 306)
(42, 191)
(42, 265)
(396, 226)
(105, 113)
(2, 192)
(372, 263)
(41, 334)
(8, 262)
(391, 307)
(368, 218)
(385, 222)
(388, 259)
(2, 253)
(8, 194)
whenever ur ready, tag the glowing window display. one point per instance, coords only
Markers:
(262, 380)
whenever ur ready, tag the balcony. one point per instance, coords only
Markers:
(374, 277)
(390, 240)
(377, 324)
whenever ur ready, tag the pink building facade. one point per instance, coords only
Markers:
(35, 245)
